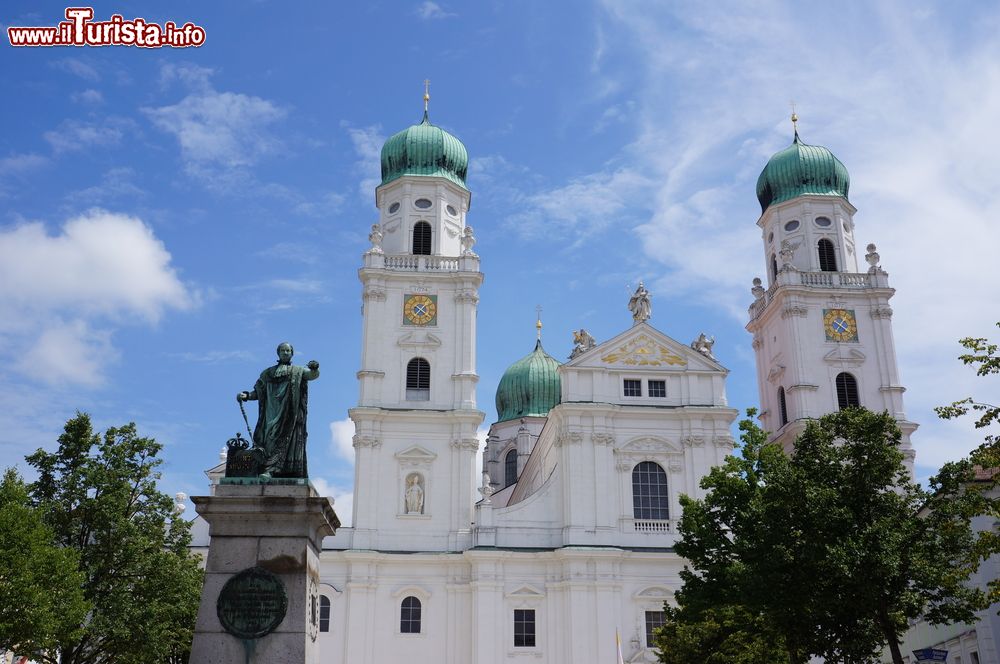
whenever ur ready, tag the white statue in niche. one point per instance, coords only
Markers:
(414, 494)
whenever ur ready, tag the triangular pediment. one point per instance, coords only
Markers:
(844, 356)
(527, 591)
(651, 444)
(418, 340)
(416, 453)
(643, 347)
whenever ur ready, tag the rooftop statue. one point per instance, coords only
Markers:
(282, 395)
(639, 305)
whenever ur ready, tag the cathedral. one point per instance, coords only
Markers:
(561, 548)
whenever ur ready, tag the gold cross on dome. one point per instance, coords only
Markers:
(538, 321)
(427, 92)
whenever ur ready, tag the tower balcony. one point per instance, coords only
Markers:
(792, 278)
(420, 263)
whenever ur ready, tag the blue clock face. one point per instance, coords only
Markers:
(840, 325)
(420, 309)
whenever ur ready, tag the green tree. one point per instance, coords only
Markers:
(833, 547)
(41, 603)
(98, 495)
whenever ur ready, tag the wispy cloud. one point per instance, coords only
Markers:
(78, 68)
(220, 133)
(73, 135)
(921, 172)
(368, 148)
(89, 96)
(431, 10)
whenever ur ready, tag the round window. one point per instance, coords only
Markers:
(792, 225)
(423, 203)
(452, 211)
(770, 238)
(394, 208)
(823, 221)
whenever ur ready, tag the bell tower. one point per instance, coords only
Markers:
(416, 417)
(822, 328)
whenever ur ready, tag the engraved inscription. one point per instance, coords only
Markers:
(252, 603)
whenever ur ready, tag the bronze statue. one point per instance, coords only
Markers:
(282, 394)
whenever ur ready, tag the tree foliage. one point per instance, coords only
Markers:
(98, 496)
(41, 603)
(833, 548)
(983, 355)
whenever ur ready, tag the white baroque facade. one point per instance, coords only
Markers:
(566, 535)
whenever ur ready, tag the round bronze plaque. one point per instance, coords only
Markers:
(252, 603)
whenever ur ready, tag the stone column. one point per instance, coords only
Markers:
(277, 531)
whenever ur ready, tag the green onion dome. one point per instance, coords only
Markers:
(530, 387)
(424, 149)
(801, 169)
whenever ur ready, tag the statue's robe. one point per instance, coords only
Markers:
(282, 398)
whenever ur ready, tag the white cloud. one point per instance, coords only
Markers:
(342, 439)
(584, 206)
(78, 68)
(75, 135)
(18, 164)
(432, 10)
(69, 352)
(368, 143)
(62, 295)
(89, 96)
(881, 93)
(217, 131)
(343, 499)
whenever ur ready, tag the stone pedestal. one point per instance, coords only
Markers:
(280, 529)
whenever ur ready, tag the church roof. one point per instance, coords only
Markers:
(424, 149)
(801, 169)
(530, 387)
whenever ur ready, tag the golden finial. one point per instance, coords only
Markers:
(538, 321)
(795, 121)
(427, 93)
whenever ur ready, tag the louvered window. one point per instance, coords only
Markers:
(782, 408)
(827, 257)
(847, 391)
(418, 380)
(422, 238)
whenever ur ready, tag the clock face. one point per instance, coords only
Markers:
(420, 310)
(840, 325)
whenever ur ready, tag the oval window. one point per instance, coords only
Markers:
(792, 225)
(394, 208)
(452, 211)
(823, 221)
(422, 203)
(770, 238)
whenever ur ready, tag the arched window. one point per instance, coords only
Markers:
(409, 615)
(827, 259)
(782, 408)
(422, 238)
(650, 499)
(418, 380)
(510, 468)
(847, 391)
(774, 268)
(324, 613)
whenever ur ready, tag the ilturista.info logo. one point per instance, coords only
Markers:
(80, 29)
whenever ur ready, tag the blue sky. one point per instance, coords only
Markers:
(167, 216)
